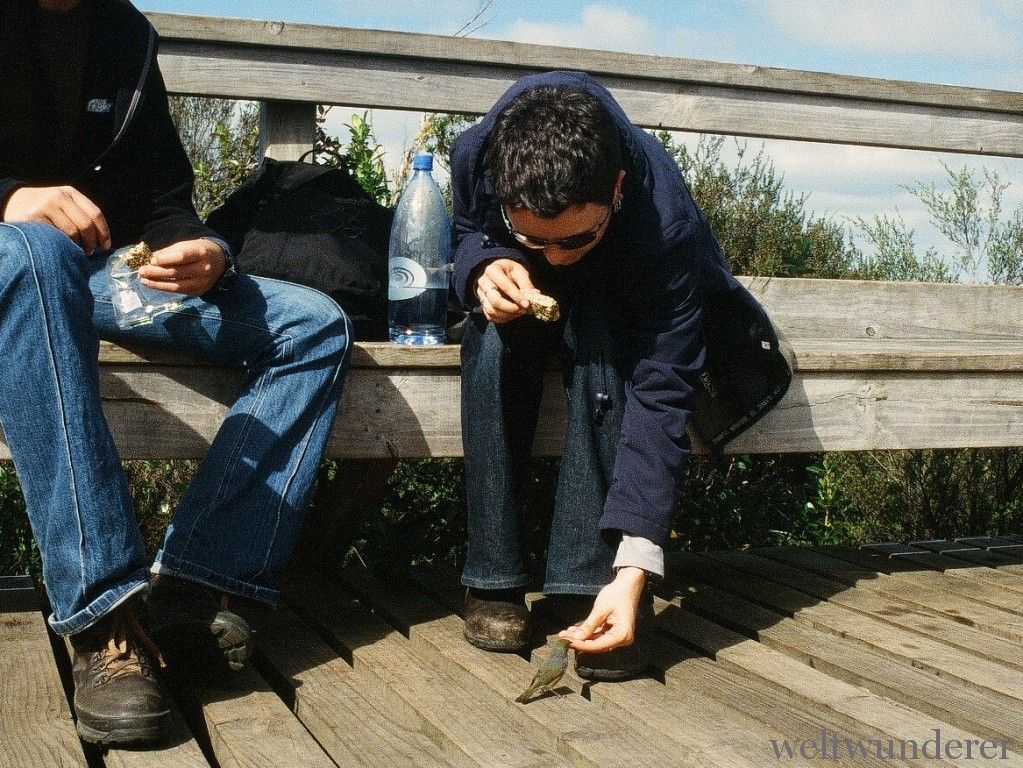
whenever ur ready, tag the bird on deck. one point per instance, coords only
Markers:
(550, 672)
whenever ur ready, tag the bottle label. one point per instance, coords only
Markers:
(407, 278)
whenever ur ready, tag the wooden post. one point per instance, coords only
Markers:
(286, 129)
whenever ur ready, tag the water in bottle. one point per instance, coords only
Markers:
(419, 260)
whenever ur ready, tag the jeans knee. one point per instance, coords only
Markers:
(326, 330)
(40, 250)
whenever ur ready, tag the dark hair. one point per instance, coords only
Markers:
(552, 147)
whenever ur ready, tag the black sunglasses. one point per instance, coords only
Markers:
(570, 243)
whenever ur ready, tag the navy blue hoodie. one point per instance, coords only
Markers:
(658, 260)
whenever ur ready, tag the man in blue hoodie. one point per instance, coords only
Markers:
(556, 190)
(90, 161)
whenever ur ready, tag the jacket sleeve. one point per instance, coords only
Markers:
(668, 349)
(7, 187)
(167, 172)
(476, 236)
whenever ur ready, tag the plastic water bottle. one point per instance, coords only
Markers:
(419, 260)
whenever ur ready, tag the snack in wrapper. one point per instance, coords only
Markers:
(543, 307)
(138, 256)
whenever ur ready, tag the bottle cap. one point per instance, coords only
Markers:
(422, 162)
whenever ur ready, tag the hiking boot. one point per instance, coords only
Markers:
(117, 697)
(496, 620)
(628, 661)
(198, 628)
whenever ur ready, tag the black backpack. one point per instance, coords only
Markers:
(746, 369)
(316, 226)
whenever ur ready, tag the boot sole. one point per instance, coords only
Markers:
(500, 646)
(204, 648)
(151, 729)
(598, 674)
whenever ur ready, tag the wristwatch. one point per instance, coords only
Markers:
(230, 273)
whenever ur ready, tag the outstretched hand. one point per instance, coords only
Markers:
(612, 622)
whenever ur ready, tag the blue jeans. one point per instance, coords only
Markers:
(502, 385)
(238, 522)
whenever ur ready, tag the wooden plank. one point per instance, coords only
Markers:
(763, 603)
(956, 692)
(487, 733)
(905, 355)
(287, 129)
(786, 718)
(815, 688)
(17, 593)
(299, 36)
(904, 616)
(973, 563)
(955, 607)
(179, 750)
(720, 734)
(849, 412)
(753, 605)
(365, 354)
(36, 728)
(591, 736)
(992, 542)
(250, 727)
(394, 70)
(965, 553)
(402, 402)
(731, 716)
(848, 325)
(880, 310)
(174, 412)
(357, 719)
(947, 576)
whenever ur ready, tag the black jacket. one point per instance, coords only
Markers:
(689, 321)
(129, 160)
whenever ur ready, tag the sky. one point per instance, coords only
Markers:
(976, 43)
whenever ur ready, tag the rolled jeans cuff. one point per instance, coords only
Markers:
(136, 584)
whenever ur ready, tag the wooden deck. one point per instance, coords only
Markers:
(878, 649)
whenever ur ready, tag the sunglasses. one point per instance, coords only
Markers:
(570, 243)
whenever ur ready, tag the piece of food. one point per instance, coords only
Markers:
(138, 256)
(544, 307)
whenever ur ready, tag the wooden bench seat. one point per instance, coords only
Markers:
(877, 366)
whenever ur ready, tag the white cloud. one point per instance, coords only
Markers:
(980, 31)
(600, 26)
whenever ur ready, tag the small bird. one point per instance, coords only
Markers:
(550, 672)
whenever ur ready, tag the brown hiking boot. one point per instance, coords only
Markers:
(496, 621)
(202, 631)
(117, 697)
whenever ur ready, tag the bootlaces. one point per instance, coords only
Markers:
(120, 657)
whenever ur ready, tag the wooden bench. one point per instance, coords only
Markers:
(877, 365)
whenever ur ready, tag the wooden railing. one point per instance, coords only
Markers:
(293, 67)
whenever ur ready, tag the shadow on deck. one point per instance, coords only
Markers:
(876, 656)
